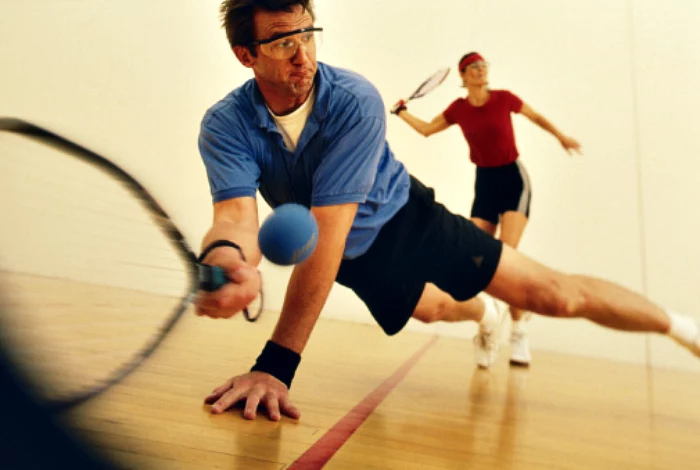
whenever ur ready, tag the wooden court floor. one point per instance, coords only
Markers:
(566, 412)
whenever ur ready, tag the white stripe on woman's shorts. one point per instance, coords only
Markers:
(525, 195)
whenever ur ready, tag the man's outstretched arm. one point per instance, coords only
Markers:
(308, 289)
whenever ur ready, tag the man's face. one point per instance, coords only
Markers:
(292, 76)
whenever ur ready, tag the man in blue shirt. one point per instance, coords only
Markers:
(341, 156)
(310, 133)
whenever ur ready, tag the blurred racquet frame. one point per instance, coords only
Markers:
(198, 276)
(426, 87)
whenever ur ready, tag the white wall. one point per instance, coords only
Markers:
(64, 218)
(667, 56)
(132, 80)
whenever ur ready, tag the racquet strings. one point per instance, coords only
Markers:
(90, 277)
(431, 83)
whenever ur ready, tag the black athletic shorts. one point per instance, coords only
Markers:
(501, 189)
(423, 242)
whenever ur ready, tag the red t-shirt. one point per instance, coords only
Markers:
(488, 128)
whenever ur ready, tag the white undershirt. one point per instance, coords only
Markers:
(291, 125)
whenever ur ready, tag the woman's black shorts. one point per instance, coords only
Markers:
(501, 189)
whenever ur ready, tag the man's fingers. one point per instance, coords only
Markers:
(248, 282)
(221, 306)
(273, 407)
(218, 391)
(243, 274)
(251, 390)
(206, 311)
(215, 312)
(229, 299)
(288, 408)
(251, 406)
(227, 400)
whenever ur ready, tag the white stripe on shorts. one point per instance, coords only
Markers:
(525, 195)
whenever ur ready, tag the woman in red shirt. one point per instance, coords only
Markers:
(502, 188)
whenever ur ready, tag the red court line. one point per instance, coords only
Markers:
(321, 452)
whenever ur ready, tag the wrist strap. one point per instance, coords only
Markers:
(217, 244)
(278, 361)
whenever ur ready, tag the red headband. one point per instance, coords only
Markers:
(470, 60)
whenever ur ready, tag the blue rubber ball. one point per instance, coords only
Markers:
(288, 235)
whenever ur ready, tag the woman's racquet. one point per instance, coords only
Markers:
(93, 272)
(426, 87)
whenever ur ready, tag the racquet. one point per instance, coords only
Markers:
(93, 272)
(426, 87)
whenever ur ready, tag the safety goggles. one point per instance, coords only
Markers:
(285, 45)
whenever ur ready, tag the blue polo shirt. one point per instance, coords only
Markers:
(342, 155)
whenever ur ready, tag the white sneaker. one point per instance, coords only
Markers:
(520, 349)
(487, 340)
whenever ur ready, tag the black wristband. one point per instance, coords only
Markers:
(217, 244)
(278, 361)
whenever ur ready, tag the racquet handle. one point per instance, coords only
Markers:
(210, 277)
(398, 107)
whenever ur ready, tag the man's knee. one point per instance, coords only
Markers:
(436, 311)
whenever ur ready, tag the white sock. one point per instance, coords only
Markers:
(490, 319)
(518, 327)
(683, 329)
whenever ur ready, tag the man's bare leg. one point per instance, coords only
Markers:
(527, 284)
(436, 305)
